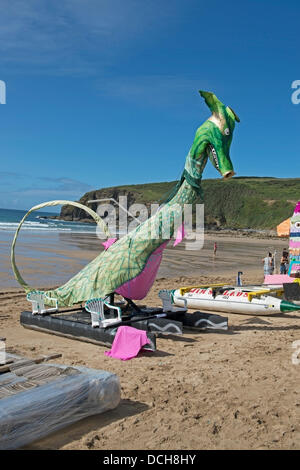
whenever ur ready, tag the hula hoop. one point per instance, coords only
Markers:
(92, 213)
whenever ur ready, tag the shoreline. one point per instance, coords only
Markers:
(264, 233)
(53, 258)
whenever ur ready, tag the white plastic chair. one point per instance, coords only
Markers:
(37, 299)
(96, 308)
(166, 297)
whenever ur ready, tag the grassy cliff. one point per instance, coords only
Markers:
(242, 202)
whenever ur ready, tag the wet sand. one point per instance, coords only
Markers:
(52, 259)
(203, 390)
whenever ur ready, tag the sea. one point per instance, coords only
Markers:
(48, 251)
(39, 221)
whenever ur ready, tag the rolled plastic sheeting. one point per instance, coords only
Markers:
(37, 412)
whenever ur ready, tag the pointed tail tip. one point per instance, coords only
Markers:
(286, 306)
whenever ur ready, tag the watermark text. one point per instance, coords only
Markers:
(153, 222)
(296, 353)
(296, 94)
(2, 92)
(2, 352)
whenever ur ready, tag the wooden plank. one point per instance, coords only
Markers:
(33, 375)
(10, 361)
(22, 363)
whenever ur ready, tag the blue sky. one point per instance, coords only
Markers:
(105, 92)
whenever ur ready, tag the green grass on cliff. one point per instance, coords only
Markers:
(242, 202)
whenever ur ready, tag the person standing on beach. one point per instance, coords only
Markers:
(215, 249)
(268, 264)
(285, 253)
(284, 262)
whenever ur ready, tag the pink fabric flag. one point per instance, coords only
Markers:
(297, 208)
(109, 242)
(180, 235)
(127, 343)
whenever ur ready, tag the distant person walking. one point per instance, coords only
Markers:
(268, 264)
(215, 248)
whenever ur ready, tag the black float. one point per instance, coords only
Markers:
(76, 324)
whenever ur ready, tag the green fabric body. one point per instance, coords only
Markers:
(126, 259)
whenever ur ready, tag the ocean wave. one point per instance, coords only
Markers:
(45, 227)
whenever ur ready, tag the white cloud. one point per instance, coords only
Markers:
(19, 191)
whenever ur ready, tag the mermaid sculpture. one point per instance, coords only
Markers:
(129, 266)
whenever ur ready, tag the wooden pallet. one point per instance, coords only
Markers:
(19, 373)
(37, 399)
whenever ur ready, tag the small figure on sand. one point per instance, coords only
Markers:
(268, 264)
(215, 249)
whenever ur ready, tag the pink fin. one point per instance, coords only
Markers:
(109, 242)
(180, 235)
(138, 287)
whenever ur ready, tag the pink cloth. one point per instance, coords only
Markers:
(278, 279)
(127, 343)
(138, 287)
(180, 235)
(109, 242)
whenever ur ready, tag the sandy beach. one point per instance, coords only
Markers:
(203, 390)
(149, 118)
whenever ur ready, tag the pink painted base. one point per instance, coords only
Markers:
(278, 279)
